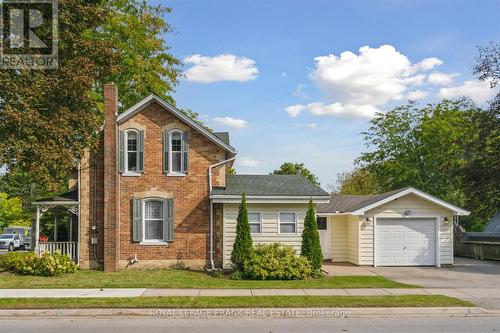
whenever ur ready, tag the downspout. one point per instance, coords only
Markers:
(212, 264)
(79, 213)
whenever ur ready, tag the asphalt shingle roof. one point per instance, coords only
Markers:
(349, 203)
(224, 136)
(269, 185)
(65, 197)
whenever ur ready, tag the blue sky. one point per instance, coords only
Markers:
(247, 62)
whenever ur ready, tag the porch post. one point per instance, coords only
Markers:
(70, 236)
(55, 226)
(37, 228)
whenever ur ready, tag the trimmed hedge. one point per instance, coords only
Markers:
(276, 262)
(30, 264)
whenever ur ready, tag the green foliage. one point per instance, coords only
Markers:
(356, 182)
(276, 262)
(450, 150)
(289, 168)
(311, 247)
(50, 116)
(145, 65)
(31, 264)
(11, 212)
(11, 260)
(243, 247)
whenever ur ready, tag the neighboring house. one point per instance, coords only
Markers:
(406, 227)
(157, 194)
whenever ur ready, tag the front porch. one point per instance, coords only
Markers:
(61, 231)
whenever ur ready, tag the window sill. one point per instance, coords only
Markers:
(152, 242)
(176, 174)
(131, 174)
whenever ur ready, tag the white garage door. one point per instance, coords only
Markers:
(406, 242)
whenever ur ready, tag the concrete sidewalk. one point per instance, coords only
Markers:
(461, 293)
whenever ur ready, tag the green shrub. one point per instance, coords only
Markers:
(276, 262)
(311, 246)
(242, 248)
(44, 265)
(11, 260)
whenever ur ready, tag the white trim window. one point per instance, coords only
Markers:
(255, 222)
(175, 152)
(132, 153)
(287, 223)
(153, 220)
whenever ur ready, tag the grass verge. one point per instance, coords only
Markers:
(234, 302)
(177, 278)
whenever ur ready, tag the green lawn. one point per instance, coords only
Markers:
(176, 278)
(234, 302)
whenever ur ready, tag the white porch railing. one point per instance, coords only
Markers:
(67, 248)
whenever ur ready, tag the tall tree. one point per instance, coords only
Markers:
(311, 247)
(48, 117)
(290, 168)
(11, 212)
(243, 246)
(487, 66)
(356, 182)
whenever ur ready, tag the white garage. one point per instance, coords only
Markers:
(405, 242)
(406, 227)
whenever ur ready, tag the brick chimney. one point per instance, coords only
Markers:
(111, 227)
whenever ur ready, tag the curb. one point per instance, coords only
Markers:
(163, 313)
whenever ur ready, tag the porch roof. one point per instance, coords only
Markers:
(68, 198)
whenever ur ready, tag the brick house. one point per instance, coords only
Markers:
(157, 194)
(144, 196)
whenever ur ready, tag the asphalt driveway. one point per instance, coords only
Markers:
(465, 273)
(470, 279)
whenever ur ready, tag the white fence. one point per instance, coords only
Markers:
(67, 248)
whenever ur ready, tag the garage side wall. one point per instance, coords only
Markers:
(419, 208)
(269, 217)
(338, 248)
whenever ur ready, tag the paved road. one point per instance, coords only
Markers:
(266, 325)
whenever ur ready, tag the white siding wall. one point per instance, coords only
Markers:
(419, 208)
(269, 215)
(338, 226)
(353, 239)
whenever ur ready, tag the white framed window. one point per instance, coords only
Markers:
(153, 220)
(287, 223)
(131, 151)
(176, 158)
(255, 222)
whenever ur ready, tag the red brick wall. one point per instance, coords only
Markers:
(111, 227)
(190, 193)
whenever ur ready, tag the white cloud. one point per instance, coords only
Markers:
(478, 91)
(417, 94)
(442, 79)
(358, 84)
(295, 110)
(284, 74)
(429, 63)
(224, 67)
(231, 122)
(247, 162)
(311, 125)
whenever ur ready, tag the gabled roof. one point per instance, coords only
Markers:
(224, 136)
(70, 197)
(276, 187)
(359, 204)
(179, 114)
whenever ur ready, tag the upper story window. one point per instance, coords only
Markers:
(131, 152)
(175, 152)
(132, 160)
